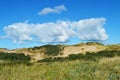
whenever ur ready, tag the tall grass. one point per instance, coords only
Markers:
(104, 69)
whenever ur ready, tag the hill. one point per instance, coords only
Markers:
(83, 61)
(46, 51)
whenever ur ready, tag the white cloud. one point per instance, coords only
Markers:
(91, 29)
(59, 31)
(56, 9)
(18, 32)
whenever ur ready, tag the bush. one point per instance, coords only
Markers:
(90, 56)
(59, 59)
(73, 56)
(15, 63)
(14, 56)
(94, 43)
(52, 49)
(50, 59)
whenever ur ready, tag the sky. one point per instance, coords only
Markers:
(29, 23)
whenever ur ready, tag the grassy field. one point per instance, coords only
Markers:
(104, 69)
(102, 65)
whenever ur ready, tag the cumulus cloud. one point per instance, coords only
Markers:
(56, 9)
(59, 31)
(91, 29)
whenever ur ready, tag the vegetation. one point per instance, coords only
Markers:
(104, 69)
(14, 57)
(89, 56)
(102, 65)
(89, 43)
(94, 43)
(52, 50)
(114, 47)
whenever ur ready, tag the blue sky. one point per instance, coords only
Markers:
(28, 23)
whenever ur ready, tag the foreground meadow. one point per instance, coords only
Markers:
(104, 69)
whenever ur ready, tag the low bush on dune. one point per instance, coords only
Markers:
(14, 57)
(51, 50)
(90, 56)
(94, 56)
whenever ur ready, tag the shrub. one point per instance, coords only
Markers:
(14, 56)
(73, 57)
(52, 49)
(50, 59)
(59, 59)
(94, 43)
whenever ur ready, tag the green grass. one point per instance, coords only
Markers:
(104, 69)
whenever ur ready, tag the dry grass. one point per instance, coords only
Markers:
(105, 69)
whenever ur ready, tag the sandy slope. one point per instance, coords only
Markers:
(80, 49)
(37, 54)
